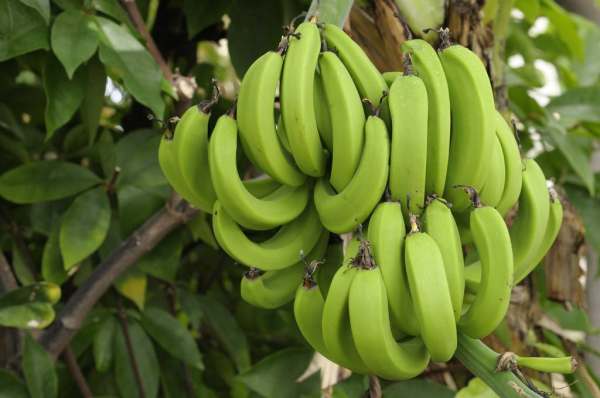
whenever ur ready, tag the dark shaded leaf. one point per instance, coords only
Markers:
(21, 268)
(132, 285)
(201, 14)
(164, 260)
(202, 230)
(52, 263)
(73, 39)
(44, 215)
(103, 343)
(417, 388)
(332, 11)
(137, 204)
(93, 98)
(41, 6)
(11, 386)
(22, 29)
(38, 369)
(588, 208)
(577, 105)
(137, 157)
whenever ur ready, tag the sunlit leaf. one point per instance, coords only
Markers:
(73, 39)
(22, 29)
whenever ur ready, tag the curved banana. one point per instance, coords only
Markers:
(389, 77)
(493, 187)
(308, 312)
(555, 216)
(441, 226)
(386, 234)
(344, 211)
(428, 67)
(272, 289)
(278, 208)
(472, 120)
(337, 334)
(255, 108)
(322, 112)
(512, 162)
(282, 134)
(532, 218)
(297, 99)
(167, 160)
(370, 324)
(430, 293)
(368, 80)
(347, 119)
(280, 251)
(261, 186)
(493, 244)
(408, 109)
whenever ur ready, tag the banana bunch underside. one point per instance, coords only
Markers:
(418, 164)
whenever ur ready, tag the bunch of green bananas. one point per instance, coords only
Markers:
(393, 298)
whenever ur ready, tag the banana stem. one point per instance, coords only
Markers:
(481, 361)
(549, 365)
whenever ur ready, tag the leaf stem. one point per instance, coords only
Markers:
(134, 365)
(75, 371)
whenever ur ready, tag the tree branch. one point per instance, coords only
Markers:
(7, 279)
(75, 371)
(145, 238)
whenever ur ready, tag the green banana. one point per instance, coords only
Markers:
(257, 123)
(344, 211)
(282, 134)
(493, 187)
(472, 122)
(532, 218)
(427, 66)
(347, 119)
(389, 77)
(440, 225)
(555, 216)
(386, 234)
(408, 158)
(261, 186)
(278, 208)
(297, 99)
(280, 251)
(430, 293)
(370, 324)
(337, 334)
(272, 289)
(308, 312)
(512, 162)
(322, 113)
(493, 244)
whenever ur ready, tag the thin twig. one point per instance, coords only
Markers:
(132, 359)
(75, 371)
(374, 387)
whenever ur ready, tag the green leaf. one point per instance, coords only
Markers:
(476, 389)
(73, 39)
(93, 99)
(34, 315)
(137, 157)
(134, 64)
(588, 208)
(202, 230)
(275, 375)
(22, 269)
(41, 6)
(39, 370)
(52, 263)
(44, 181)
(331, 11)
(132, 285)
(164, 260)
(170, 334)
(63, 95)
(104, 342)
(417, 388)
(11, 386)
(146, 360)
(564, 26)
(84, 226)
(201, 14)
(136, 205)
(22, 30)
(581, 104)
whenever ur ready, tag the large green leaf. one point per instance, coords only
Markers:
(417, 388)
(39, 370)
(331, 11)
(564, 26)
(170, 334)
(93, 99)
(73, 39)
(63, 95)
(588, 208)
(35, 315)
(52, 263)
(104, 339)
(134, 64)
(581, 104)
(41, 6)
(164, 260)
(11, 386)
(22, 29)
(200, 14)
(137, 157)
(84, 226)
(146, 360)
(44, 181)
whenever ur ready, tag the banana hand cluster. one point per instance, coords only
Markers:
(420, 157)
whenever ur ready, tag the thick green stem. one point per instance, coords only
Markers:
(481, 361)
(549, 365)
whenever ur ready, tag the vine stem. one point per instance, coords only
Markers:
(75, 371)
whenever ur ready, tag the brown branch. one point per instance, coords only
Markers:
(75, 371)
(374, 387)
(144, 239)
(7, 278)
(10, 338)
(132, 359)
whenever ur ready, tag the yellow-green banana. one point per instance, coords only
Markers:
(308, 312)
(472, 116)
(322, 113)
(281, 250)
(297, 99)
(389, 77)
(277, 208)
(512, 163)
(441, 226)
(261, 186)
(386, 234)
(347, 119)
(493, 187)
(430, 293)
(344, 211)
(408, 158)
(427, 66)
(255, 108)
(370, 324)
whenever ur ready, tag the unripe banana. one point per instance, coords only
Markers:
(255, 107)
(278, 208)
(431, 294)
(280, 251)
(472, 120)
(386, 234)
(308, 312)
(347, 119)
(261, 186)
(370, 324)
(512, 163)
(297, 99)
(428, 67)
(493, 187)
(282, 134)
(322, 113)
(408, 109)
(344, 211)
(440, 225)
(389, 77)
